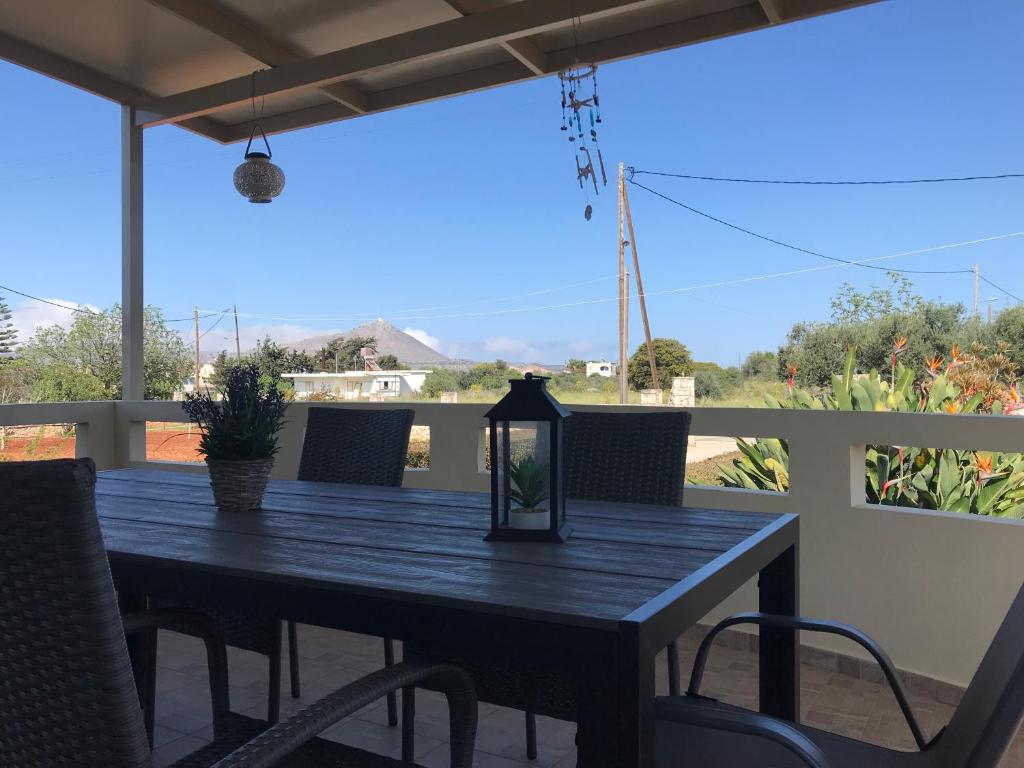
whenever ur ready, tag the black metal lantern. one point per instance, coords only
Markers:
(527, 492)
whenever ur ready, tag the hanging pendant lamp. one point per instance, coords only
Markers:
(257, 179)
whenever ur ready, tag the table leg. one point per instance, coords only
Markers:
(780, 651)
(142, 654)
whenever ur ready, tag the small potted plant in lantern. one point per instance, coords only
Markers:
(239, 437)
(527, 493)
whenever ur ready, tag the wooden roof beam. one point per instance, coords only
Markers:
(518, 20)
(523, 49)
(256, 44)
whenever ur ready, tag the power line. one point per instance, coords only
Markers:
(82, 309)
(1000, 288)
(215, 322)
(701, 286)
(792, 247)
(636, 172)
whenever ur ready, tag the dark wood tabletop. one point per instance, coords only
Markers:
(657, 568)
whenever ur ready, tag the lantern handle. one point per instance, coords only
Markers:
(252, 135)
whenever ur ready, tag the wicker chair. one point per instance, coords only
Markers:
(68, 696)
(383, 437)
(620, 457)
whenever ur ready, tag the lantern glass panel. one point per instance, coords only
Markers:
(529, 475)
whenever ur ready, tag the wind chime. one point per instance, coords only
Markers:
(581, 114)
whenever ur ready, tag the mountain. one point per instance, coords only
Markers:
(390, 341)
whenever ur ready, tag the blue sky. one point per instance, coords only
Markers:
(463, 203)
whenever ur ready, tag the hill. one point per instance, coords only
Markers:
(390, 341)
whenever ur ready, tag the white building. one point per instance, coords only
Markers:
(601, 368)
(353, 385)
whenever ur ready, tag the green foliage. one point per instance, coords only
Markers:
(8, 333)
(272, 360)
(760, 365)
(14, 387)
(244, 425)
(852, 306)
(708, 384)
(62, 383)
(345, 354)
(93, 345)
(1008, 327)
(440, 380)
(389, 363)
(672, 358)
(529, 482)
(575, 365)
(957, 481)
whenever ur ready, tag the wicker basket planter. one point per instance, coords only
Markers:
(238, 486)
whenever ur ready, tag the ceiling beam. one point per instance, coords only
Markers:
(59, 68)
(254, 43)
(467, 33)
(523, 49)
(711, 26)
(772, 10)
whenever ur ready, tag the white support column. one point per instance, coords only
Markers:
(131, 441)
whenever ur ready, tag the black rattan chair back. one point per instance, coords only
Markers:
(993, 705)
(67, 696)
(364, 446)
(638, 458)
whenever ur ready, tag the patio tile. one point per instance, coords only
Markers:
(831, 699)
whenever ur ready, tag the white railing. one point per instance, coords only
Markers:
(931, 586)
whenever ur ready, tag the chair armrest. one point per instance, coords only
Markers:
(200, 625)
(687, 710)
(774, 621)
(273, 745)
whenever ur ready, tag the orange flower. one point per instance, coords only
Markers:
(950, 407)
(954, 357)
(934, 365)
(984, 463)
(789, 381)
(1014, 401)
(900, 345)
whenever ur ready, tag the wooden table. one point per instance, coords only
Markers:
(412, 565)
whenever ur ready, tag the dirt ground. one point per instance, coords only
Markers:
(164, 442)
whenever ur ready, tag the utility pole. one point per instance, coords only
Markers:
(623, 298)
(195, 315)
(977, 290)
(640, 291)
(238, 344)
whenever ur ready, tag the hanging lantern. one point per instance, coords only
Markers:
(257, 178)
(527, 491)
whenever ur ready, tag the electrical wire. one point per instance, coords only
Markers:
(82, 309)
(701, 286)
(215, 322)
(790, 246)
(1000, 288)
(870, 182)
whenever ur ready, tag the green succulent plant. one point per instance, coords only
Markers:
(945, 479)
(529, 481)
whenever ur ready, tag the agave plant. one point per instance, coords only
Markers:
(946, 479)
(529, 481)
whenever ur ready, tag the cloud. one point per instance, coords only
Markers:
(29, 316)
(509, 347)
(424, 338)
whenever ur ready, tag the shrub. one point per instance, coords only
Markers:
(707, 385)
(957, 481)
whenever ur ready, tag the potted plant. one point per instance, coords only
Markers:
(529, 489)
(239, 437)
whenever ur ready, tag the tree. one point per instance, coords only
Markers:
(760, 365)
(707, 384)
(13, 388)
(440, 380)
(92, 345)
(272, 360)
(389, 363)
(8, 333)
(852, 306)
(1008, 327)
(344, 353)
(671, 356)
(575, 365)
(62, 383)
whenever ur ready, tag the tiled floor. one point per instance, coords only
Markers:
(829, 700)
